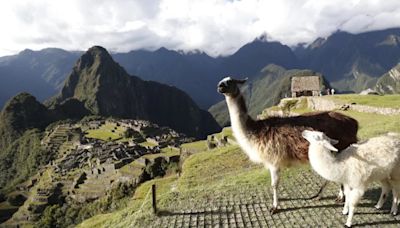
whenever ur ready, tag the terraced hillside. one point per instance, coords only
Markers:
(222, 188)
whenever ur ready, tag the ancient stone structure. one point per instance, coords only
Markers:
(305, 86)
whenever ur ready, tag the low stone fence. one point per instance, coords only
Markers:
(323, 104)
(377, 110)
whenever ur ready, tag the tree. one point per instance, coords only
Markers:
(128, 133)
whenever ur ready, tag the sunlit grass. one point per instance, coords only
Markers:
(221, 171)
(371, 124)
(387, 101)
(105, 132)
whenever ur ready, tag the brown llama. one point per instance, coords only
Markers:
(276, 142)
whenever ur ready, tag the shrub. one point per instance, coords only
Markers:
(16, 200)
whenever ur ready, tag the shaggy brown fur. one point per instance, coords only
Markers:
(283, 134)
(277, 142)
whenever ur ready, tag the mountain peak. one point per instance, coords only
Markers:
(97, 50)
(23, 111)
(391, 40)
(94, 55)
(101, 86)
(26, 52)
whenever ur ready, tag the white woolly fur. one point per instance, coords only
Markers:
(376, 159)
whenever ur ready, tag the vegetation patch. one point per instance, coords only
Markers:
(107, 132)
(386, 101)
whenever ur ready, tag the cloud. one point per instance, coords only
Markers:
(218, 27)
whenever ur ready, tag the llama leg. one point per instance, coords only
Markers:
(355, 196)
(274, 183)
(341, 196)
(346, 193)
(385, 191)
(319, 193)
(395, 203)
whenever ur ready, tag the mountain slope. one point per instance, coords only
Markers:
(22, 112)
(40, 73)
(105, 88)
(389, 83)
(193, 73)
(250, 58)
(197, 73)
(267, 88)
(20, 152)
(352, 62)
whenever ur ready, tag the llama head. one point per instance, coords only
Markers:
(230, 86)
(319, 138)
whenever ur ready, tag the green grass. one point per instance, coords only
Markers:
(202, 144)
(221, 171)
(147, 144)
(374, 124)
(105, 132)
(387, 101)
(195, 146)
(226, 131)
(169, 152)
(223, 166)
(296, 105)
(128, 216)
(205, 174)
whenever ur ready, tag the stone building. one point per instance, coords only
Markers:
(305, 86)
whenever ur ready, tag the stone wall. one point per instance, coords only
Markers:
(377, 110)
(323, 104)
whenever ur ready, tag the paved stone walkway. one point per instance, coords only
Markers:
(249, 208)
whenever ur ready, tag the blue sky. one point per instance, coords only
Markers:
(218, 27)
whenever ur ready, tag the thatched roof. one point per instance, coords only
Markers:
(305, 83)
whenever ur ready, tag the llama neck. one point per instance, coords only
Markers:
(325, 164)
(238, 113)
(241, 126)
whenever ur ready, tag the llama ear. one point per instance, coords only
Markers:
(334, 141)
(329, 146)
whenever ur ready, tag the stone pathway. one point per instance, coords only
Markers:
(249, 208)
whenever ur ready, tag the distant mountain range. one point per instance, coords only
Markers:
(350, 62)
(105, 88)
(99, 86)
(353, 62)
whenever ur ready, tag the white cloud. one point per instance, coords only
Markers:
(218, 27)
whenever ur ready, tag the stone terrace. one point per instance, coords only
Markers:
(248, 207)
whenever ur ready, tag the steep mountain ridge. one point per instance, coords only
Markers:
(389, 83)
(21, 122)
(352, 62)
(40, 73)
(196, 73)
(104, 88)
(22, 112)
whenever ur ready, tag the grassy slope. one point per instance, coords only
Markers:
(387, 101)
(105, 132)
(219, 171)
